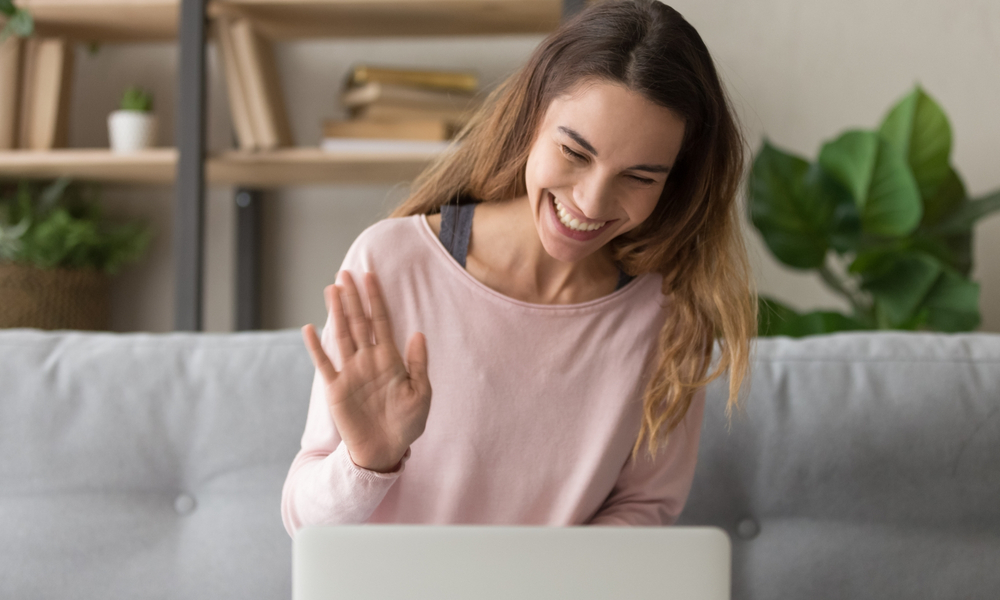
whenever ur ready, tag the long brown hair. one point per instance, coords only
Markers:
(693, 237)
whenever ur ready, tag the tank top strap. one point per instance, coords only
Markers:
(456, 229)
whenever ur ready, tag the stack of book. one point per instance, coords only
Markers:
(35, 79)
(401, 110)
(256, 102)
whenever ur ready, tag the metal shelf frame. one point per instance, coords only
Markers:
(189, 216)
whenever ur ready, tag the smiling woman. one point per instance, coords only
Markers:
(559, 282)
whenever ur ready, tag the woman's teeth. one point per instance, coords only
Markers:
(566, 219)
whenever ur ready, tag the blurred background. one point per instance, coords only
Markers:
(797, 72)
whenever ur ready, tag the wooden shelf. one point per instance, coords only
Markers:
(156, 165)
(105, 20)
(288, 166)
(292, 166)
(289, 19)
(156, 20)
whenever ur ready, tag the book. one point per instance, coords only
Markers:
(374, 146)
(415, 129)
(10, 91)
(389, 94)
(456, 117)
(45, 93)
(458, 81)
(238, 105)
(261, 86)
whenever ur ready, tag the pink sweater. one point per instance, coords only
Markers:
(534, 412)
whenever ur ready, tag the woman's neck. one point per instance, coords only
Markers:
(506, 254)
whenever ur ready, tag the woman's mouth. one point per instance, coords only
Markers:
(570, 226)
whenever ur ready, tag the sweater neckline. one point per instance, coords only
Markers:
(456, 270)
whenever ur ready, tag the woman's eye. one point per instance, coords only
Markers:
(642, 180)
(574, 155)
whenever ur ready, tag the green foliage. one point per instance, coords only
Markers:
(59, 224)
(17, 21)
(884, 219)
(136, 98)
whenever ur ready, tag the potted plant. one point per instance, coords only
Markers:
(17, 21)
(882, 217)
(133, 126)
(56, 255)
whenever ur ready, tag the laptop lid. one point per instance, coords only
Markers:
(417, 562)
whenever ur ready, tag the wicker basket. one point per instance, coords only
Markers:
(54, 298)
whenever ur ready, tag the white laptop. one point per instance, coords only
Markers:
(417, 562)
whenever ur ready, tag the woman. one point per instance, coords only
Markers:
(571, 262)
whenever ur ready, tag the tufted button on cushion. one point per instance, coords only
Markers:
(184, 504)
(748, 528)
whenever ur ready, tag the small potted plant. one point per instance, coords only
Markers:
(57, 253)
(133, 126)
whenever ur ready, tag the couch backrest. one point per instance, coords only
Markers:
(863, 466)
(147, 466)
(150, 466)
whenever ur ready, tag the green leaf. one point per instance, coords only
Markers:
(900, 287)
(820, 322)
(949, 197)
(879, 179)
(966, 216)
(919, 129)
(19, 23)
(953, 303)
(772, 316)
(792, 205)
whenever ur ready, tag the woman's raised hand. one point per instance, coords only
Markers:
(378, 404)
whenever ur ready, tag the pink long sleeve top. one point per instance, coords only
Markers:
(534, 413)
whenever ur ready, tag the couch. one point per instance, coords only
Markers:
(150, 466)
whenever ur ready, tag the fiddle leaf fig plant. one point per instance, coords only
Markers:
(884, 219)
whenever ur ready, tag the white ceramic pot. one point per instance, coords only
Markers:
(131, 130)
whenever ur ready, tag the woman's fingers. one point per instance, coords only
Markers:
(357, 321)
(416, 364)
(341, 331)
(380, 317)
(319, 358)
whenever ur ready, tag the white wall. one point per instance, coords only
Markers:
(799, 71)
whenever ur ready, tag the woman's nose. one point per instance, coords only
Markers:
(592, 194)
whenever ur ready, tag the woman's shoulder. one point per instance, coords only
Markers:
(392, 232)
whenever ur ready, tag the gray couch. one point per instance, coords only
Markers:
(150, 466)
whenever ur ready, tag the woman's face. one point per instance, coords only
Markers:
(597, 166)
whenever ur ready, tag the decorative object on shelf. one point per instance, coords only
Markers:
(884, 219)
(56, 255)
(133, 126)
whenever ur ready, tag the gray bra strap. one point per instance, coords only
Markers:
(456, 229)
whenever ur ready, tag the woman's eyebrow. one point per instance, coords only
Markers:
(578, 139)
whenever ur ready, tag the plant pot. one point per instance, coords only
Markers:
(54, 298)
(131, 130)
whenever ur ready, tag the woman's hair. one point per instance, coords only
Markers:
(693, 237)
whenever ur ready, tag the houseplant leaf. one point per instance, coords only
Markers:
(965, 217)
(790, 207)
(899, 282)
(919, 129)
(953, 303)
(879, 179)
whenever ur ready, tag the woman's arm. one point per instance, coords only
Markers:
(653, 491)
(324, 486)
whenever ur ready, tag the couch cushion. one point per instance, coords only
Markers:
(147, 466)
(862, 466)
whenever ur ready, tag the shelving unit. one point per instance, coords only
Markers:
(190, 168)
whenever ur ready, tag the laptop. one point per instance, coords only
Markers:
(419, 562)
